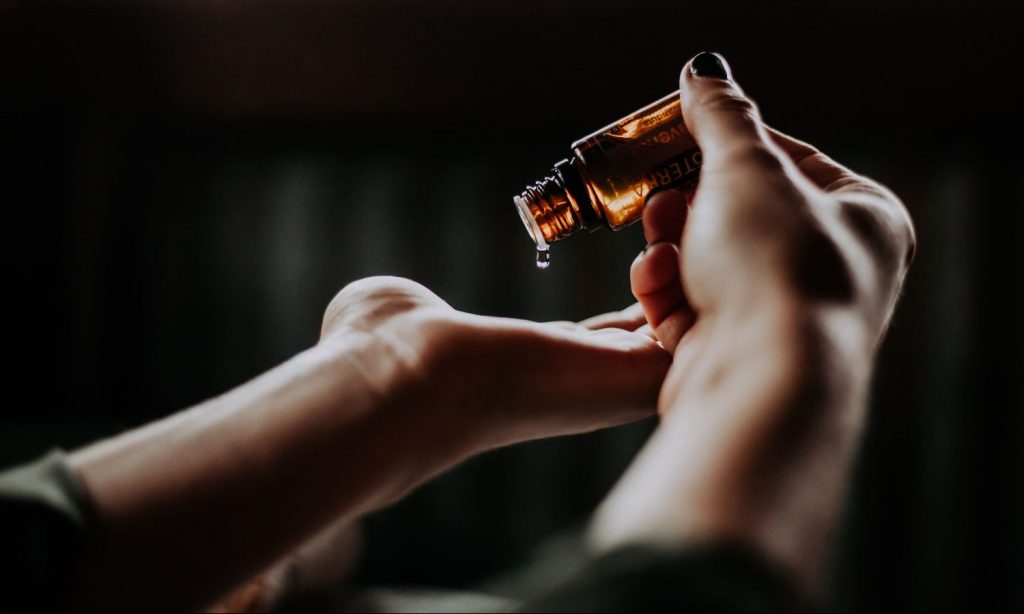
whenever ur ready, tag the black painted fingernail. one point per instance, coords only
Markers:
(710, 65)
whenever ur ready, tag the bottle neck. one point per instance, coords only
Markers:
(556, 206)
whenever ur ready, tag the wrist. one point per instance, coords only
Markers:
(763, 414)
(402, 367)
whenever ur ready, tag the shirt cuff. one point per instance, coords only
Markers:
(717, 576)
(44, 514)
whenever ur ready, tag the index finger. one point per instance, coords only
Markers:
(630, 318)
(872, 210)
(826, 173)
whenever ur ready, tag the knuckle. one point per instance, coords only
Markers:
(819, 265)
(867, 223)
(910, 234)
(887, 233)
(820, 164)
(876, 216)
(725, 99)
(903, 225)
(846, 181)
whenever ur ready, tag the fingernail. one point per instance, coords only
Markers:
(712, 65)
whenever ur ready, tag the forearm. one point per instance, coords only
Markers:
(191, 506)
(757, 445)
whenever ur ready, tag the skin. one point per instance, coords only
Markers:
(773, 287)
(400, 387)
(766, 299)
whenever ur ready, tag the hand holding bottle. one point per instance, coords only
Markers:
(773, 221)
(772, 288)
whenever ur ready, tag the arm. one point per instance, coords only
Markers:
(772, 287)
(400, 388)
(220, 491)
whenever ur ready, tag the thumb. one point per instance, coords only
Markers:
(725, 123)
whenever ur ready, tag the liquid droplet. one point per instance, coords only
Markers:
(543, 258)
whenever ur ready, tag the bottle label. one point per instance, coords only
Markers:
(647, 151)
(680, 171)
(652, 149)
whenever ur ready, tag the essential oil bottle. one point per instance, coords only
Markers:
(610, 175)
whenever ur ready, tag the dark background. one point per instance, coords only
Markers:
(188, 183)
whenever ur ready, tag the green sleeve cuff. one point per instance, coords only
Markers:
(44, 513)
(721, 577)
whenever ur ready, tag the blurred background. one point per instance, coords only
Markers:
(188, 183)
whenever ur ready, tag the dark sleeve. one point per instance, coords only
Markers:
(43, 515)
(714, 577)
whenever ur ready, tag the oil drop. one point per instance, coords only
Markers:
(543, 258)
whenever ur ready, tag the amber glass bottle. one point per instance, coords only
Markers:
(610, 174)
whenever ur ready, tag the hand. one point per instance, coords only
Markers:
(772, 288)
(771, 215)
(488, 381)
(457, 368)
(400, 388)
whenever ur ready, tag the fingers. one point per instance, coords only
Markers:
(724, 122)
(630, 318)
(664, 217)
(647, 330)
(798, 150)
(872, 211)
(655, 274)
(822, 170)
(574, 381)
(826, 173)
(654, 279)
